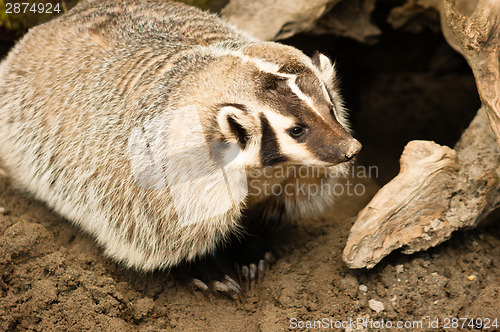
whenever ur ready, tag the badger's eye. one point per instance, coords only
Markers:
(296, 131)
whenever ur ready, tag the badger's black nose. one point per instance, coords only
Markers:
(353, 147)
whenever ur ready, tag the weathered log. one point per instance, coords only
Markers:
(478, 38)
(472, 28)
(438, 191)
(271, 19)
(415, 15)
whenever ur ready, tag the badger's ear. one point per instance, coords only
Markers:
(325, 66)
(233, 120)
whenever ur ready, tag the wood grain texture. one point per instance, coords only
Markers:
(438, 191)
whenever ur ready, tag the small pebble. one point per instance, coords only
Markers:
(376, 305)
(3, 212)
(472, 278)
(400, 268)
(363, 288)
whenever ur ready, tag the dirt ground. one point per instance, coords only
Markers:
(53, 277)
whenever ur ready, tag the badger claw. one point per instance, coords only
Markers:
(198, 284)
(251, 264)
(250, 274)
(269, 259)
(261, 269)
(245, 274)
(208, 278)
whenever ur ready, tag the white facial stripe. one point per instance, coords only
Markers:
(263, 65)
(289, 146)
(325, 92)
(272, 68)
(278, 120)
(295, 89)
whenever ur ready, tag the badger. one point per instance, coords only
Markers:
(159, 129)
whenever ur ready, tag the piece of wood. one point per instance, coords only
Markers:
(280, 19)
(275, 19)
(438, 191)
(478, 40)
(472, 28)
(404, 210)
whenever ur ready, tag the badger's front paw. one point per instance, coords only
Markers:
(249, 274)
(252, 259)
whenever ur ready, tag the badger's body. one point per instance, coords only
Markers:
(149, 124)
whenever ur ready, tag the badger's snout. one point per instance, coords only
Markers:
(352, 148)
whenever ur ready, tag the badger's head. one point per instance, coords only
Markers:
(284, 107)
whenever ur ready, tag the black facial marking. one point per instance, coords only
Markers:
(332, 110)
(240, 132)
(271, 81)
(270, 153)
(293, 67)
(275, 91)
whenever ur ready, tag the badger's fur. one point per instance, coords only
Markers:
(154, 126)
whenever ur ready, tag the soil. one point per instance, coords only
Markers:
(53, 277)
